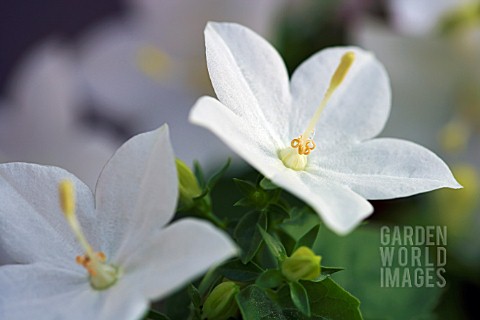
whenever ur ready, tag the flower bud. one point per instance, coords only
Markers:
(303, 264)
(187, 183)
(221, 304)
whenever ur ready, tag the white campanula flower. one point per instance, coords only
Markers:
(148, 66)
(313, 135)
(126, 254)
(40, 115)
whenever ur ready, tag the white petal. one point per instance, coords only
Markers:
(41, 291)
(387, 168)
(39, 125)
(248, 75)
(177, 255)
(422, 103)
(110, 57)
(115, 303)
(137, 190)
(244, 137)
(357, 110)
(340, 208)
(45, 86)
(32, 225)
(38, 291)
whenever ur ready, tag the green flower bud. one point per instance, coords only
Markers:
(187, 183)
(302, 265)
(221, 304)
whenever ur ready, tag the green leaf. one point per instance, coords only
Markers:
(208, 281)
(294, 314)
(308, 239)
(155, 315)
(218, 175)
(194, 296)
(275, 246)
(278, 213)
(300, 223)
(266, 184)
(271, 278)
(329, 300)
(246, 187)
(254, 303)
(198, 172)
(248, 236)
(254, 197)
(244, 202)
(326, 272)
(299, 297)
(210, 184)
(235, 270)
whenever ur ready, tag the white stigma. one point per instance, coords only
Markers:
(102, 275)
(295, 156)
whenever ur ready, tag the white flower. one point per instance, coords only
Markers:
(149, 66)
(135, 197)
(421, 17)
(39, 121)
(261, 114)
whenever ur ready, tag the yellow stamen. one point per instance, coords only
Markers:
(102, 275)
(304, 147)
(304, 143)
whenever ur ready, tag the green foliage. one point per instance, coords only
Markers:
(326, 272)
(271, 278)
(331, 301)
(248, 236)
(154, 315)
(253, 285)
(299, 297)
(359, 251)
(237, 271)
(300, 222)
(254, 303)
(266, 184)
(275, 246)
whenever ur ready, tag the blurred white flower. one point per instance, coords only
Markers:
(421, 17)
(334, 165)
(435, 71)
(149, 67)
(137, 257)
(39, 117)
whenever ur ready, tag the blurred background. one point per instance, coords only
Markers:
(78, 78)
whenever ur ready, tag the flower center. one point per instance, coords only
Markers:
(101, 274)
(153, 62)
(295, 156)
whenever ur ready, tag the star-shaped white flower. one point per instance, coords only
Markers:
(261, 116)
(129, 257)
